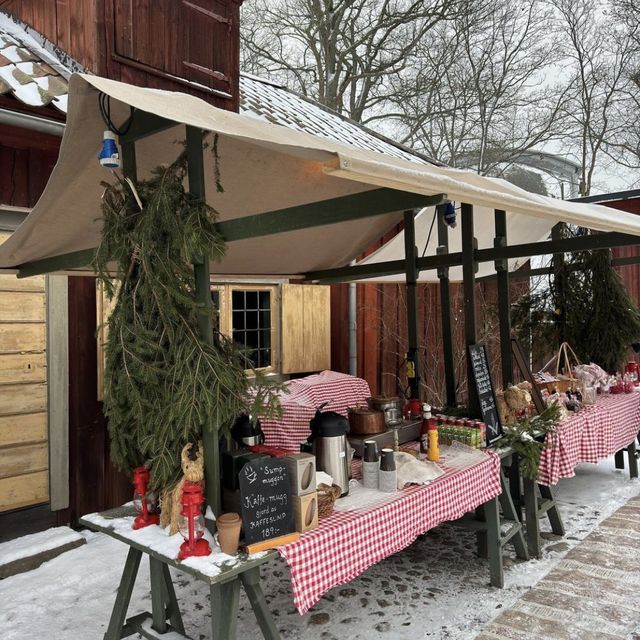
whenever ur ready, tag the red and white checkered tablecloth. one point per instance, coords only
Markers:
(347, 542)
(304, 397)
(596, 432)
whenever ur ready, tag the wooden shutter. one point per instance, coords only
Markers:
(306, 328)
(190, 39)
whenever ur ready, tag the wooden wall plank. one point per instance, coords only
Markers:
(22, 306)
(30, 427)
(22, 367)
(17, 337)
(10, 282)
(29, 458)
(24, 490)
(23, 398)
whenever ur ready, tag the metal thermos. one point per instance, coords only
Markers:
(370, 464)
(329, 444)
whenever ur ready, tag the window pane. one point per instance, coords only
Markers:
(265, 319)
(265, 299)
(251, 320)
(251, 299)
(237, 299)
(238, 320)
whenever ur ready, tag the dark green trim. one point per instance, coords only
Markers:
(469, 266)
(315, 214)
(504, 311)
(411, 275)
(201, 271)
(63, 262)
(564, 245)
(445, 308)
(144, 125)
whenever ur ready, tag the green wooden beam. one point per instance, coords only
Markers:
(504, 311)
(411, 276)
(315, 214)
(445, 309)
(564, 245)
(469, 268)
(210, 434)
(63, 262)
(145, 124)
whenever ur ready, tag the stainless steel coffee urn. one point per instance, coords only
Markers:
(328, 442)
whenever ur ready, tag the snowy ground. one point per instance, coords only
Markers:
(435, 589)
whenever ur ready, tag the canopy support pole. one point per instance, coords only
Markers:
(411, 255)
(504, 312)
(469, 268)
(195, 172)
(445, 310)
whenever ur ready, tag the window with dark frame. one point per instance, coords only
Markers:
(251, 325)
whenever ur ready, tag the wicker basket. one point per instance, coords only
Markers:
(565, 359)
(327, 496)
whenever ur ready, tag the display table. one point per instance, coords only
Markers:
(347, 542)
(596, 432)
(222, 574)
(304, 396)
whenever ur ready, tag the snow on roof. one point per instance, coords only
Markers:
(267, 101)
(32, 68)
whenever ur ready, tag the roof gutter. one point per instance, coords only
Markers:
(34, 123)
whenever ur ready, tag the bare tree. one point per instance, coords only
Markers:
(479, 96)
(342, 53)
(600, 54)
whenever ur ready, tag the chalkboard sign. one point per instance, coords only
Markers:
(486, 394)
(265, 495)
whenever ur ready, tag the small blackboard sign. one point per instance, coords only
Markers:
(265, 496)
(486, 393)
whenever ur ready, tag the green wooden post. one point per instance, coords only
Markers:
(195, 172)
(494, 545)
(504, 312)
(251, 583)
(411, 254)
(469, 268)
(445, 309)
(224, 609)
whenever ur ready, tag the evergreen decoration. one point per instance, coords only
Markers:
(527, 438)
(585, 303)
(163, 382)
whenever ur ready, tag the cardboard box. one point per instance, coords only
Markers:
(305, 512)
(302, 473)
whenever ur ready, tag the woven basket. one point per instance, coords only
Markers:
(566, 360)
(327, 496)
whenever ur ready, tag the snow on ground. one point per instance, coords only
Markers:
(436, 589)
(36, 543)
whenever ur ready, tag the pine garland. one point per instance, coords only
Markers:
(163, 383)
(527, 438)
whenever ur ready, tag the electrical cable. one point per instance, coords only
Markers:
(104, 102)
(426, 244)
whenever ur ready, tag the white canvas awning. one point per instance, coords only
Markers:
(264, 167)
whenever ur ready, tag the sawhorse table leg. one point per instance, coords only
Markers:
(123, 597)
(224, 606)
(494, 546)
(534, 509)
(633, 459)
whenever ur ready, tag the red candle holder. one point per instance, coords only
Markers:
(192, 522)
(143, 500)
(632, 369)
